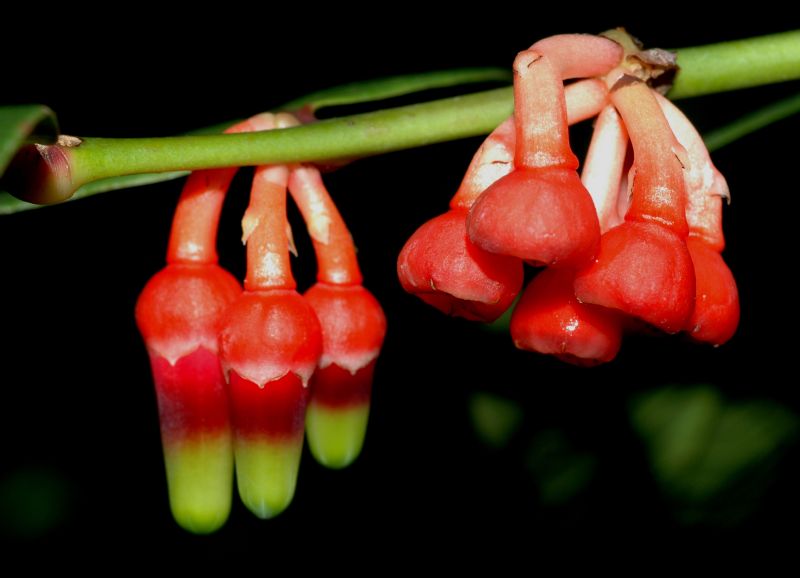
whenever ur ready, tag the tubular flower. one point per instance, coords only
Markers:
(269, 343)
(353, 328)
(179, 314)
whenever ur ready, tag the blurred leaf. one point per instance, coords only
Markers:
(32, 502)
(561, 472)
(677, 425)
(704, 450)
(494, 418)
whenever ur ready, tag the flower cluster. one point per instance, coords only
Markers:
(241, 374)
(635, 239)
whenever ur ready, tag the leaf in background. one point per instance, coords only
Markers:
(14, 121)
(393, 86)
(502, 323)
(495, 419)
(561, 471)
(751, 122)
(33, 502)
(713, 458)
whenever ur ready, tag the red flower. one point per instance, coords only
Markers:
(353, 328)
(549, 319)
(269, 345)
(541, 212)
(179, 314)
(643, 267)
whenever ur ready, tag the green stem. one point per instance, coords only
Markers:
(341, 138)
(752, 122)
(43, 181)
(705, 69)
(737, 64)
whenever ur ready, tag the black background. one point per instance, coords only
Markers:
(76, 401)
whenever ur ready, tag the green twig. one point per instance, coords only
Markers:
(737, 64)
(52, 174)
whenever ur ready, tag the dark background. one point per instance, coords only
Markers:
(80, 461)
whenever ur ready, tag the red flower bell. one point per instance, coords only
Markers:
(541, 212)
(442, 266)
(243, 375)
(643, 267)
(716, 307)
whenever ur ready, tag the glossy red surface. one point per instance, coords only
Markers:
(185, 302)
(444, 268)
(544, 216)
(549, 319)
(644, 270)
(268, 333)
(276, 410)
(716, 310)
(191, 395)
(353, 323)
(336, 387)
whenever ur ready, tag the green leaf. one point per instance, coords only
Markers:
(711, 457)
(752, 122)
(561, 470)
(494, 418)
(33, 502)
(385, 88)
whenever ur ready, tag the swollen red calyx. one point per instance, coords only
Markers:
(442, 266)
(657, 206)
(541, 212)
